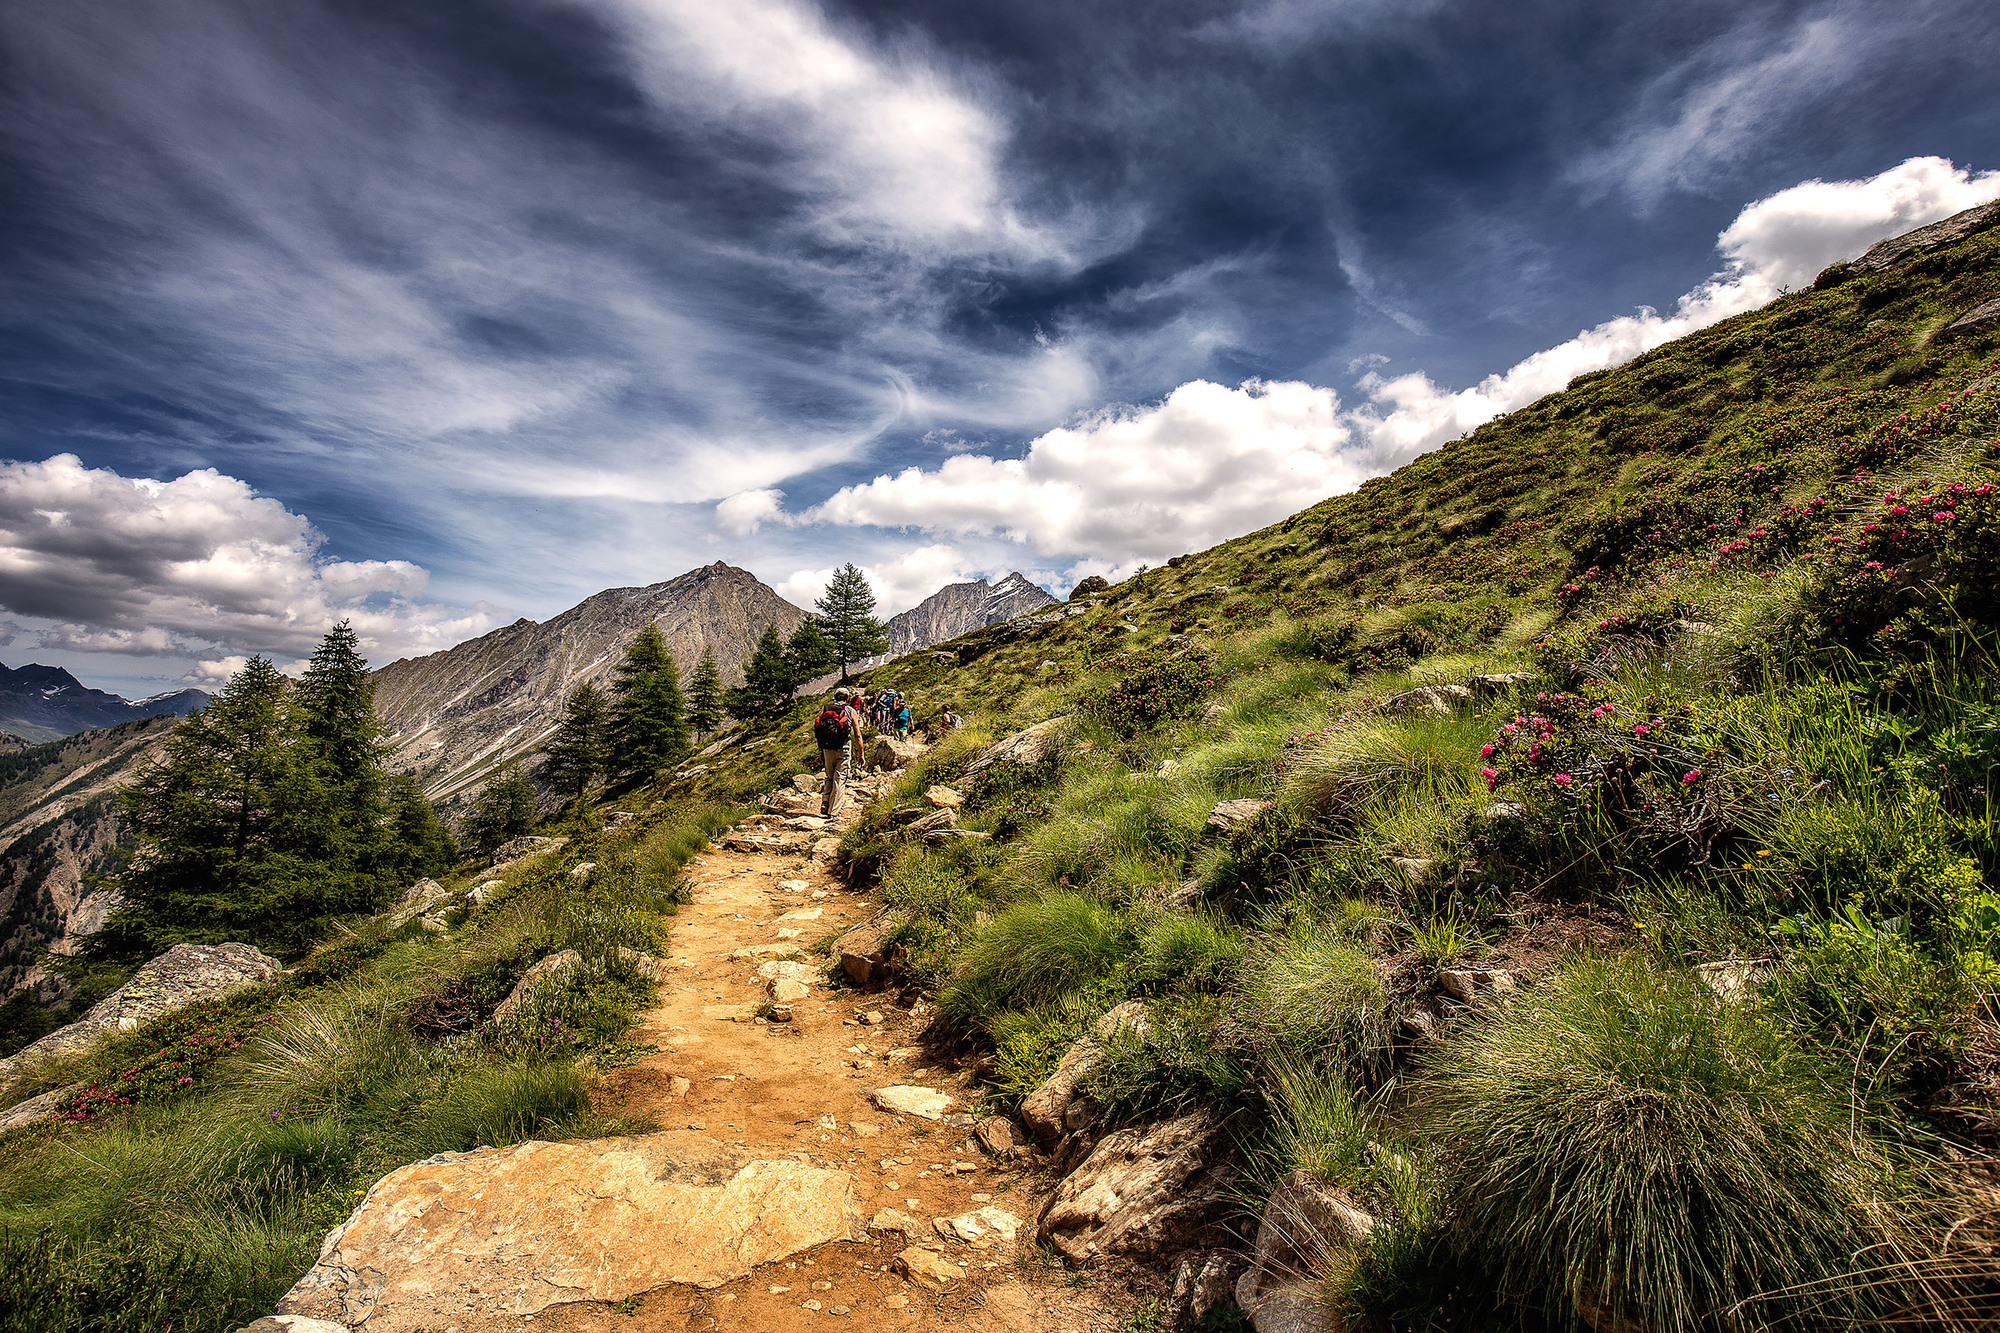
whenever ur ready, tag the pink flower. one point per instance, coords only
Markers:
(1943, 516)
(1642, 730)
(1562, 779)
(1492, 776)
(1486, 752)
(1689, 778)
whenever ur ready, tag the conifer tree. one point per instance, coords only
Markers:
(808, 653)
(504, 808)
(704, 696)
(649, 727)
(580, 749)
(337, 703)
(847, 617)
(767, 680)
(240, 834)
(423, 845)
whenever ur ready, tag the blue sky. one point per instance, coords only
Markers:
(444, 314)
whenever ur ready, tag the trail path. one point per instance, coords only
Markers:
(466, 1243)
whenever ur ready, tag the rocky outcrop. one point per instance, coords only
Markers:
(1046, 1110)
(1232, 816)
(181, 976)
(887, 754)
(1899, 250)
(1980, 319)
(1141, 1192)
(512, 1231)
(960, 608)
(452, 715)
(1306, 1223)
(520, 849)
(866, 954)
(1023, 747)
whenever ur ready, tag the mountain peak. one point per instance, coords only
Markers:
(960, 608)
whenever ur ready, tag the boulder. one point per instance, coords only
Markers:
(944, 798)
(292, 1323)
(1023, 747)
(1469, 984)
(807, 781)
(932, 1271)
(998, 1135)
(889, 754)
(1140, 1191)
(1229, 816)
(483, 893)
(582, 869)
(1202, 1285)
(926, 1103)
(934, 822)
(615, 819)
(1305, 1225)
(1498, 683)
(1046, 1109)
(181, 976)
(767, 842)
(552, 968)
(35, 1108)
(1980, 319)
(1089, 584)
(1428, 699)
(796, 802)
(512, 1231)
(518, 848)
(895, 1222)
(1901, 249)
(1732, 979)
(417, 900)
(865, 953)
(981, 1228)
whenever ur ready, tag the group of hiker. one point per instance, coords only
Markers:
(837, 731)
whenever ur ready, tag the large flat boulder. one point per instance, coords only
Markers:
(888, 754)
(1140, 1193)
(512, 1231)
(185, 974)
(1023, 747)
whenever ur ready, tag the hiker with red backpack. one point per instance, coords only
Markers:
(838, 732)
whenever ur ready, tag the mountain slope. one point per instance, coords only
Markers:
(42, 703)
(960, 608)
(452, 715)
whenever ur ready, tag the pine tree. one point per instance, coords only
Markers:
(580, 749)
(649, 727)
(504, 808)
(704, 697)
(337, 702)
(240, 834)
(767, 681)
(424, 846)
(847, 617)
(808, 653)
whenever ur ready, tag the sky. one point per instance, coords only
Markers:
(435, 316)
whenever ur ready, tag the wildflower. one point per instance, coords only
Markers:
(1562, 779)
(1492, 776)
(1486, 751)
(1689, 778)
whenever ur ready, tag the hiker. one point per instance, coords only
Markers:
(902, 718)
(947, 722)
(838, 732)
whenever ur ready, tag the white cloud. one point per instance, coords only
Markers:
(1123, 487)
(197, 565)
(900, 581)
(740, 515)
(893, 148)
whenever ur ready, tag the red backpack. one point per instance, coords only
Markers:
(831, 728)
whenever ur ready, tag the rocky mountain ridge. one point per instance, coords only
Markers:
(960, 608)
(45, 703)
(452, 716)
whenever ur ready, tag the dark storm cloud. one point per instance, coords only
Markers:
(520, 289)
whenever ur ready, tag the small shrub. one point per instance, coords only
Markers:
(1152, 689)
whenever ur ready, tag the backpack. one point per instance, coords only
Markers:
(831, 728)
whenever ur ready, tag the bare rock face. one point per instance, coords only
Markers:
(1023, 747)
(1980, 319)
(515, 1230)
(1305, 1223)
(960, 608)
(1899, 250)
(1229, 816)
(519, 849)
(449, 716)
(888, 754)
(1139, 1193)
(181, 976)
(903, 1099)
(1046, 1109)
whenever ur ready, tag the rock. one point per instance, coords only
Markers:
(1468, 984)
(1089, 584)
(795, 802)
(183, 975)
(944, 657)
(1204, 1285)
(519, 848)
(292, 1323)
(1496, 683)
(35, 1108)
(582, 869)
(805, 823)
(766, 842)
(782, 1013)
(1732, 979)
(417, 900)
(980, 1228)
(998, 1136)
(927, 1269)
(1305, 1224)
(1427, 699)
(1230, 816)
(1504, 811)
(889, 754)
(865, 953)
(1418, 1025)
(1047, 1107)
(935, 821)
(481, 894)
(928, 1103)
(515, 1230)
(1023, 747)
(552, 968)
(1980, 319)
(1139, 1192)
(615, 819)
(789, 992)
(1901, 249)
(807, 781)
(944, 798)
(1167, 768)
(1184, 895)
(751, 952)
(1416, 869)
(787, 970)
(894, 1222)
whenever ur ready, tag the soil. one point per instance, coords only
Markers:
(803, 1088)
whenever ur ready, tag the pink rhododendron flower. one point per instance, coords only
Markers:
(1562, 779)
(1689, 778)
